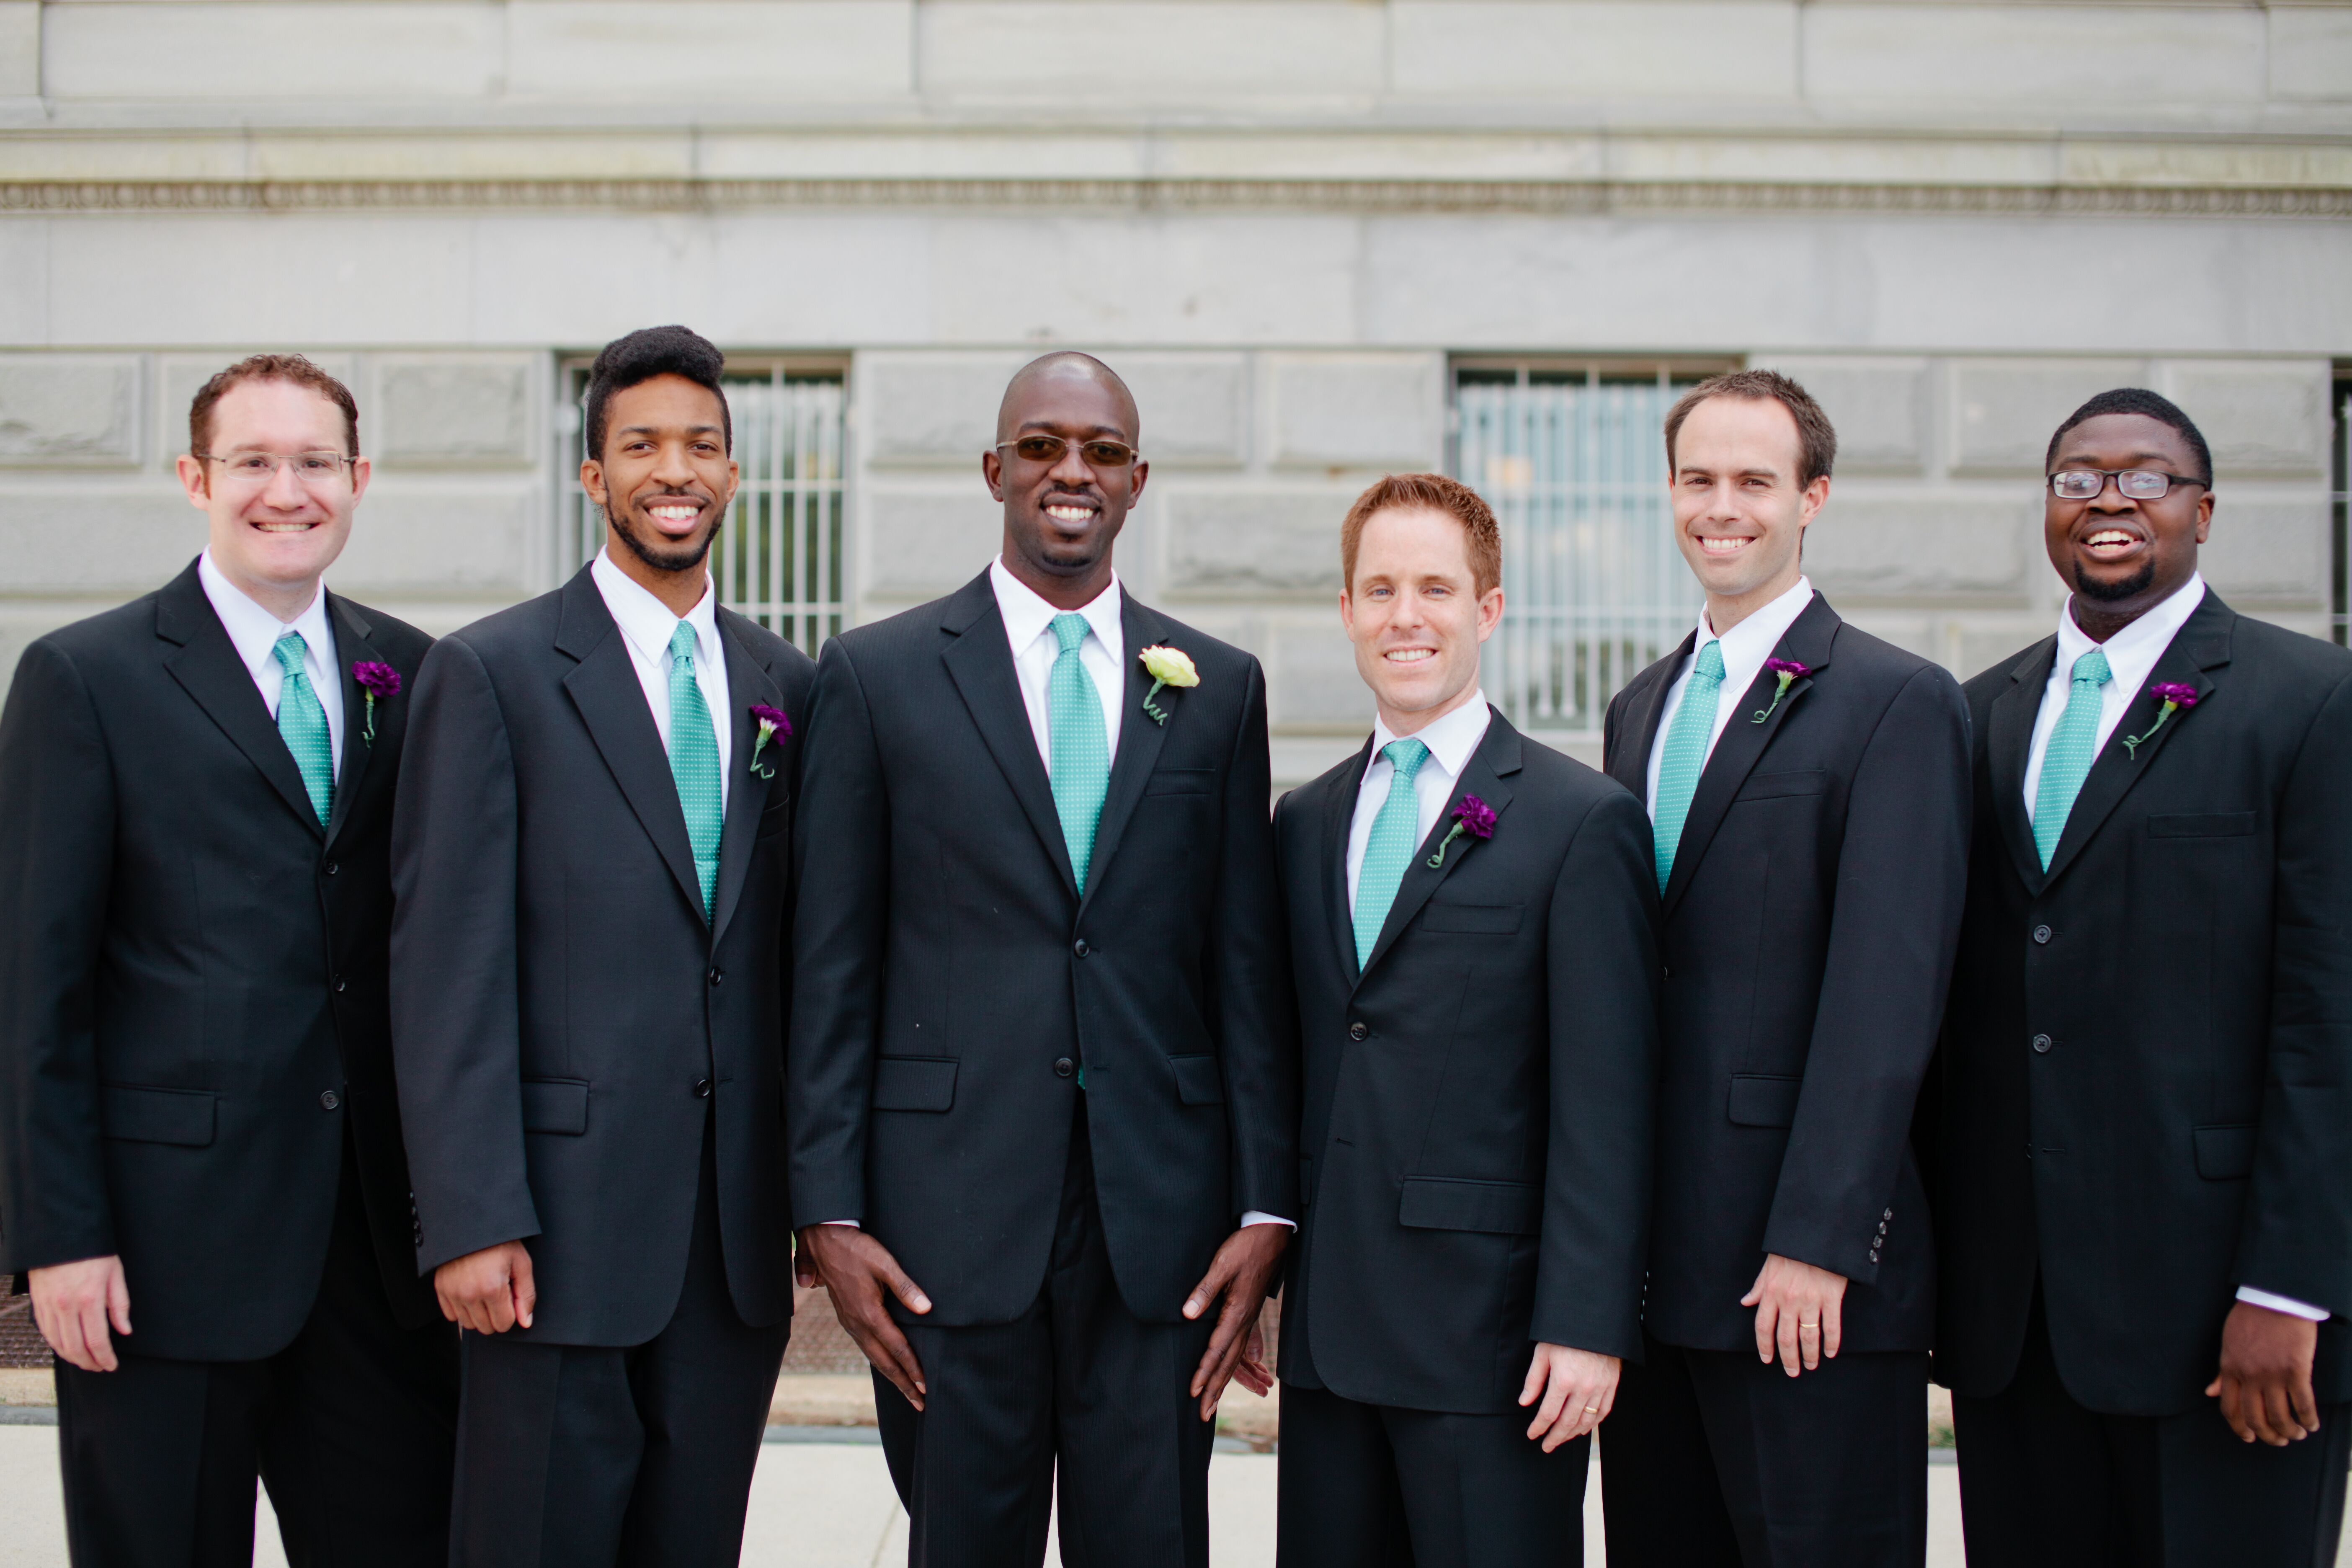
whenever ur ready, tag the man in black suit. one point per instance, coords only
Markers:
(1480, 1033)
(1808, 785)
(588, 1009)
(198, 1128)
(1041, 1049)
(2145, 1194)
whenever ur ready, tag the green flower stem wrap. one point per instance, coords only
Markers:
(1159, 714)
(2174, 698)
(772, 724)
(1473, 816)
(1788, 670)
(375, 680)
(368, 734)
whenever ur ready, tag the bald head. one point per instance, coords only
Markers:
(1033, 387)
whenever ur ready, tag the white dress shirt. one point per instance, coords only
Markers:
(646, 625)
(1029, 627)
(2131, 655)
(1452, 740)
(254, 633)
(1745, 647)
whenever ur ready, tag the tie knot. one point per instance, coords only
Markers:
(290, 649)
(681, 643)
(1405, 756)
(1710, 660)
(1069, 630)
(2092, 667)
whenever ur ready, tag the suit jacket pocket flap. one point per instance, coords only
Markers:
(1790, 780)
(2225, 1153)
(555, 1105)
(2207, 824)
(1443, 1203)
(1485, 920)
(914, 1083)
(180, 1116)
(1759, 1099)
(1198, 1080)
(1179, 781)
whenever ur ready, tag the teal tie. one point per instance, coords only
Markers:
(303, 723)
(1396, 833)
(2067, 763)
(1685, 757)
(694, 761)
(1074, 737)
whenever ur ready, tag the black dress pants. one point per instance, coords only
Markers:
(594, 1456)
(2046, 1481)
(1712, 1459)
(350, 1426)
(1077, 1382)
(1371, 1485)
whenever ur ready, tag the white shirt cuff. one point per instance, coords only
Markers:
(1259, 1217)
(850, 1223)
(2287, 1304)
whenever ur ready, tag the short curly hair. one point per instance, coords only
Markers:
(643, 355)
(1428, 492)
(292, 369)
(2156, 406)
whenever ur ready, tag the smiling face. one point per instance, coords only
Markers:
(1416, 616)
(1062, 516)
(663, 480)
(2122, 556)
(273, 533)
(1739, 512)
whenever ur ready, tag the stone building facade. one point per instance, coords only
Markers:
(1301, 228)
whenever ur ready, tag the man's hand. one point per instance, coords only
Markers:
(487, 1292)
(1797, 1313)
(2264, 1384)
(1250, 1371)
(73, 1303)
(855, 1270)
(1240, 1272)
(1578, 1389)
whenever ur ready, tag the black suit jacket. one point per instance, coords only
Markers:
(1810, 922)
(564, 1015)
(193, 987)
(949, 979)
(1476, 1154)
(2146, 1081)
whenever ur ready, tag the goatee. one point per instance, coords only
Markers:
(2122, 588)
(662, 556)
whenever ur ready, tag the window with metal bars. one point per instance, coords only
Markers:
(780, 559)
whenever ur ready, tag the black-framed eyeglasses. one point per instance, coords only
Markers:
(2133, 484)
(1048, 450)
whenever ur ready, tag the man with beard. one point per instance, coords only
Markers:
(1040, 1044)
(588, 1009)
(2145, 1201)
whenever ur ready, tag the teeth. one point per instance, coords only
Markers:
(1409, 655)
(1070, 513)
(1715, 545)
(2108, 537)
(676, 513)
(283, 527)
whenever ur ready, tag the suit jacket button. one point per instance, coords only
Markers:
(1357, 1031)
(332, 867)
(1080, 948)
(1064, 1067)
(330, 1100)
(717, 974)
(1873, 1254)
(702, 1089)
(339, 985)
(2041, 1042)
(2041, 933)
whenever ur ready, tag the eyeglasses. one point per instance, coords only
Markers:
(2135, 484)
(1050, 450)
(260, 468)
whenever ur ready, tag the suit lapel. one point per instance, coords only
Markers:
(2009, 741)
(612, 703)
(1807, 641)
(352, 648)
(1340, 809)
(1646, 698)
(1140, 736)
(746, 791)
(2201, 645)
(1498, 756)
(980, 661)
(208, 669)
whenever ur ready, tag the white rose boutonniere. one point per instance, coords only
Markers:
(1167, 667)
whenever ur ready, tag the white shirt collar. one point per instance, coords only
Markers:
(649, 624)
(2132, 652)
(254, 631)
(1452, 740)
(1751, 642)
(1027, 616)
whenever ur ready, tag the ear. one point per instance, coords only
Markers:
(1490, 611)
(992, 473)
(2204, 515)
(1810, 502)
(191, 469)
(591, 480)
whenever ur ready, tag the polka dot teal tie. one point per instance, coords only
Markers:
(1396, 833)
(303, 723)
(1685, 757)
(1075, 739)
(2067, 761)
(694, 761)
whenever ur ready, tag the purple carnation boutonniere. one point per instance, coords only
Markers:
(1473, 816)
(2174, 696)
(376, 680)
(773, 726)
(1789, 671)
